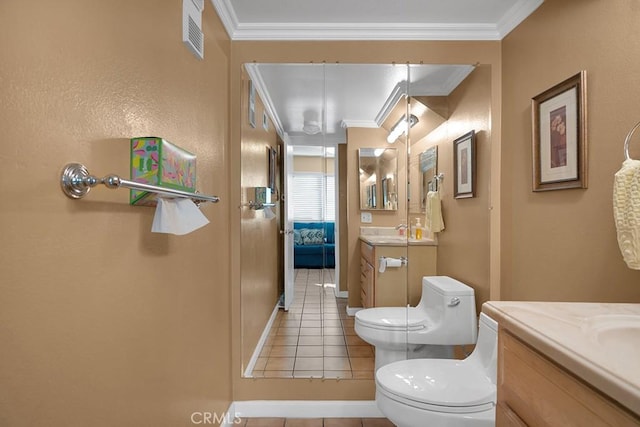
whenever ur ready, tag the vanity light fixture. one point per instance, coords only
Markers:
(401, 127)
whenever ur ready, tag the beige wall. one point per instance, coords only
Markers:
(463, 245)
(313, 164)
(103, 323)
(561, 245)
(259, 236)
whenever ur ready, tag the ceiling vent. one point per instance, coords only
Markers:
(192, 26)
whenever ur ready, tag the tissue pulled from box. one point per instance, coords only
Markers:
(177, 216)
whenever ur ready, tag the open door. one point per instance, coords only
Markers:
(287, 224)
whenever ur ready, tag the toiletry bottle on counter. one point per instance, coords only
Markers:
(418, 229)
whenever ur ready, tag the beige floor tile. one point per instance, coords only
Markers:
(257, 374)
(310, 331)
(332, 331)
(266, 349)
(360, 351)
(342, 422)
(309, 351)
(283, 351)
(363, 375)
(265, 422)
(285, 340)
(335, 351)
(331, 316)
(278, 374)
(334, 340)
(362, 363)
(280, 364)
(331, 323)
(308, 364)
(311, 316)
(290, 323)
(288, 331)
(308, 374)
(261, 362)
(310, 340)
(311, 323)
(311, 310)
(303, 422)
(337, 364)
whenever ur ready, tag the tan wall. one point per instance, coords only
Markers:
(102, 322)
(561, 245)
(345, 52)
(259, 236)
(463, 247)
(313, 164)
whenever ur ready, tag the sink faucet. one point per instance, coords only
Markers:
(401, 229)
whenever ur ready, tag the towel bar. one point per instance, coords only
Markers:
(627, 140)
(76, 182)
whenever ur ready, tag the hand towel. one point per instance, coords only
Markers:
(626, 211)
(434, 220)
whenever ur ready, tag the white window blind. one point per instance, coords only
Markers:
(313, 197)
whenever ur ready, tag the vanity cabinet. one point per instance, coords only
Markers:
(535, 391)
(389, 289)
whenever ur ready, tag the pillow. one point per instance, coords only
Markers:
(297, 238)
(312, 236)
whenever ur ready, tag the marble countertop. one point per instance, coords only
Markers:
(598, 342)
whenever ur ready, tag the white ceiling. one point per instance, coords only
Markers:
(339, 95)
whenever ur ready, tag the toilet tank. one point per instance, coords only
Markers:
(450, 306)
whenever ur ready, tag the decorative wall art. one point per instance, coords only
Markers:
(560, 136)
(464, 166)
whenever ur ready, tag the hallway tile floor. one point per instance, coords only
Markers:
(315, 422)
(315, 338)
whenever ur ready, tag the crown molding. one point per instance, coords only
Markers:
(455, 79)
(373, 31)
(359, 124)
(398, 92)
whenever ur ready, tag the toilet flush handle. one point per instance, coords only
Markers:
(454, 302)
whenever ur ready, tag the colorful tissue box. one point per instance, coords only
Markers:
(156, 161)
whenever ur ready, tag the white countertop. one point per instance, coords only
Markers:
(381, 240)
(598, 342)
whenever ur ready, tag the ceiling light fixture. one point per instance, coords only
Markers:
(401, 128)
(311, 127)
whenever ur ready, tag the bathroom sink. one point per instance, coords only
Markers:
(618, 335)
(381, 240)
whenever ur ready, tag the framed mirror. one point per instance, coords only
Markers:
(378, 168)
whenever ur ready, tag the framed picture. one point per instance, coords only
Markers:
(464, 166)
(560, 136)
(273, 158)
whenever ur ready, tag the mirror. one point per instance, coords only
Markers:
(428, 165)
(378, 168)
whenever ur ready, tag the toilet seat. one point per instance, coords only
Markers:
(452, 386)
(393, 318)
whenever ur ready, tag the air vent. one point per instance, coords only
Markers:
(192, 26)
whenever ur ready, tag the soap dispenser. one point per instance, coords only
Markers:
(418, 229)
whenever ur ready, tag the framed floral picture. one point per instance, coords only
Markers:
(464, 166)
(560, 136)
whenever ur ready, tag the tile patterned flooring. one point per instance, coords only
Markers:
(315, 338)
(315, 422)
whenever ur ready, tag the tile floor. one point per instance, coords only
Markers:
(315, 422)
(315, 338)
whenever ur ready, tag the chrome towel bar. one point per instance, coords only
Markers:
(627, 140)
(76, 182)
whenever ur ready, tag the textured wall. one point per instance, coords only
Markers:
(103, 323)
(561, 245)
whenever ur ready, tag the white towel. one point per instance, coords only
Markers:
(434, 220)
(626, 211)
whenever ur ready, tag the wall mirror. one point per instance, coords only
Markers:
(428, 165)
(378, 170)
(331, 123)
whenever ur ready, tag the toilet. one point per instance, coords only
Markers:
(445, 316)
(443, 392)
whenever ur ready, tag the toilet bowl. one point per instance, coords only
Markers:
(445, 316)
(443, 392)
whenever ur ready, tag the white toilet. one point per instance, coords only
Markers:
(445, 316)
(443, 392)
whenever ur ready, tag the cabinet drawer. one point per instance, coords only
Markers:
(367, 252)
(542, 393)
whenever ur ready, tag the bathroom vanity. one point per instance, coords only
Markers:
(389, 289)
(567, 364)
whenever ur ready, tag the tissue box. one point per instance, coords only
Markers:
(156, 161)
(263, 195)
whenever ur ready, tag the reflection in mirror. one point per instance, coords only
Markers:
(378, 169)
(429, 170)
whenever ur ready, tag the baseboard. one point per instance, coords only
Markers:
(351, 311)
(265, 333)
(306, 409)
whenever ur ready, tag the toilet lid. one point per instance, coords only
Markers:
(437, 384)
(400, 318)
